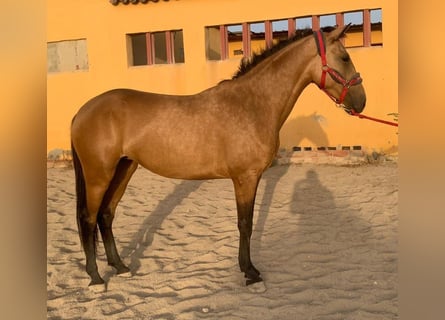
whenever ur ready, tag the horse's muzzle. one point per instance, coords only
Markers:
(356, 100)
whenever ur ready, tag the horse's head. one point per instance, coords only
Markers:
(343, 85)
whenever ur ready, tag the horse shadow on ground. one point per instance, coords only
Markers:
(300, 128)
(322, 245)
(330, 243)
(327, 218)
(143, 238)
(270, 179)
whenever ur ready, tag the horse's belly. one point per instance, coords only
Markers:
(183, 166)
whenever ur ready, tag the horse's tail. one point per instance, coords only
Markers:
(80, 189)
(81, 197)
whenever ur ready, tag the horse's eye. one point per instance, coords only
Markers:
(346, 58)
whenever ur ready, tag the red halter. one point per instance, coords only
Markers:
(335, 75)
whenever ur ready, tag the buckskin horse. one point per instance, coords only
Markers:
(229, 131)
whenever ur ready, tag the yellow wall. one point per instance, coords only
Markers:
(314, 121)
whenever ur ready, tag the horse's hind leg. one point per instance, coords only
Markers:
(116, 189)
(97, 181)
(88, 233)
(245, 192)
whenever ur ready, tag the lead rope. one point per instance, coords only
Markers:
(362, 116)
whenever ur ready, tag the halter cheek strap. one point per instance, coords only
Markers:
(321, 47)
(335, 75)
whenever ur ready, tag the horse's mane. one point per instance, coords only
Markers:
(248, 64)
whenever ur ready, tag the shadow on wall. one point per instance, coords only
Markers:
(304, 127)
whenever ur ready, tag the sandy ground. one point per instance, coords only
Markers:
(325, 241)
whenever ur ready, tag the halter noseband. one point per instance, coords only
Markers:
(335, 75)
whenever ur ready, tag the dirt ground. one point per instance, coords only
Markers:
(324, 239)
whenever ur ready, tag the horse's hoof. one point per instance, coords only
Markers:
(257, 287)
(97, 288)
(252, 273)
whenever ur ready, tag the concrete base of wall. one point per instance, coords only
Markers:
(336, 157)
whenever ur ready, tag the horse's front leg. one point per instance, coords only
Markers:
(245, 192)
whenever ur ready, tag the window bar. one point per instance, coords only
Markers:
(291, 27)
(268, 33)
(224, 40)
(366, 28)
(149, 48)
(246, 40)
(169, 47)
(315, 23)
(340, 21)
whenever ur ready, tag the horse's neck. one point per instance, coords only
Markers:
(278, 81)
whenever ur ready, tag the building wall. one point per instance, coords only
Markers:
(315, 121)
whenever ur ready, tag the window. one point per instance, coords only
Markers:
(257, 36)
(165, 47)
(243, 39)
(178, 46)
(303, 23)
(366, 28)
(139, 49)
(67, 56)
(355, 33)
(235, 41)
(327, 20)
(213, 43)
(159, 44)
(280, 30)
(376, 27)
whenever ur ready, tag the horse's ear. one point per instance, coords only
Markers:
(340, 32)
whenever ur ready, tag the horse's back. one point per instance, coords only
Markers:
(110, 101)
(116, 107)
